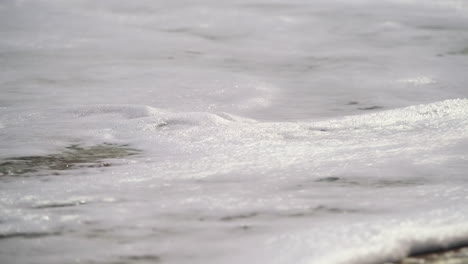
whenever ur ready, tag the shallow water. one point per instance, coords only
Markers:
(232, 131)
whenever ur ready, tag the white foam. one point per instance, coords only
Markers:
(391, 197)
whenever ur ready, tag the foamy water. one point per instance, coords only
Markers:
(256, 131)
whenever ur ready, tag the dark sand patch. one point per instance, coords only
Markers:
(451, 256)
(459, 52)
(239, 216)
(144, 258)
(367, 182)
(375, 107)
(28, 235)
(60, 204)
(72, 157)
(310, 212)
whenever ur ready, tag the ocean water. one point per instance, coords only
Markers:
(232, 131)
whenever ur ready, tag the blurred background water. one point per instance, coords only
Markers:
(271, 60)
